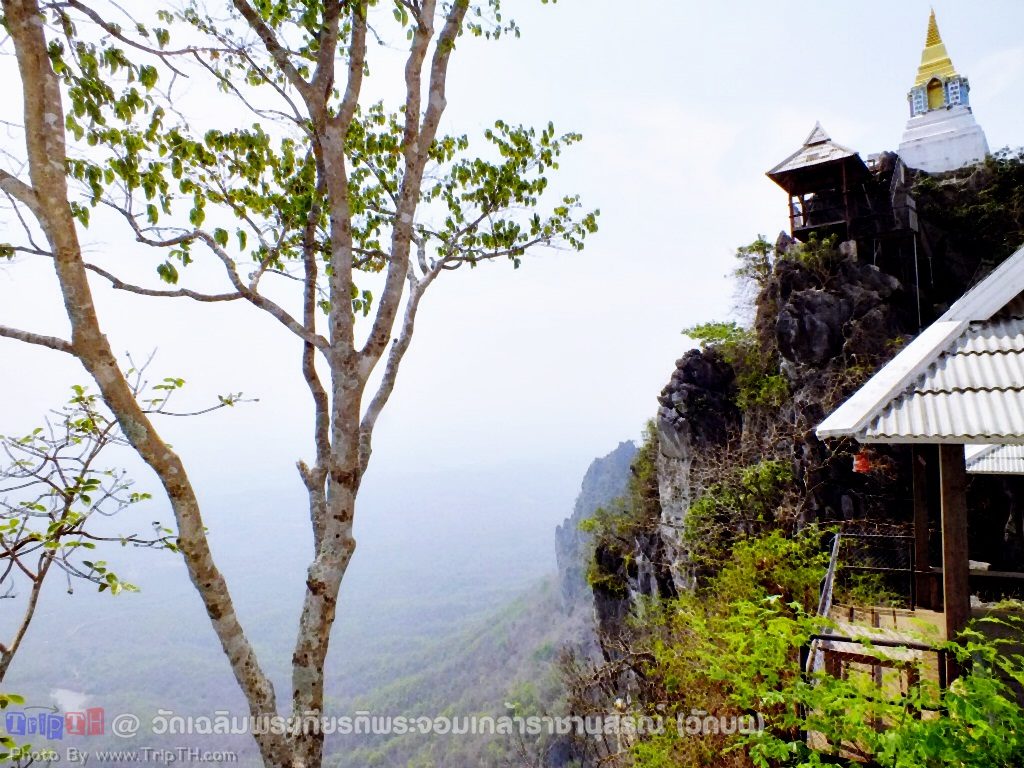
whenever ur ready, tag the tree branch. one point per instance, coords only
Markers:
(402, 222)
(277, 51)
(417, 144)
(120, 285)
(21, 192)
(7, 653)
(331, 167)
(323, 76)
(398, 349)
(272, 308)
(115, 32)
(52, 342)
(315, 478)
(356, 65)
(241, 289)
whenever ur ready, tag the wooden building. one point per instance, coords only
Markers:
(832, 191)
(959, 388)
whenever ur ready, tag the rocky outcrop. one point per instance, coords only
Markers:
(825, 320)
(606, 480)
(847, 317)
(831, 323)
(696, 411)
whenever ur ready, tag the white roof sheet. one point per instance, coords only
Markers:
(960, 381)
(996, 459)
(973, 392)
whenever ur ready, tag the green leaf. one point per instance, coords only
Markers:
(6, 699)
(148, 76)
(168, 273)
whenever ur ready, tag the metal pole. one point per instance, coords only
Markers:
(917, 287)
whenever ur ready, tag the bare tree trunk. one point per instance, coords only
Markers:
(45, 140)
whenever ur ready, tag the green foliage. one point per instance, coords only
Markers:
(724, 336)
(734, 648)
(756, 261)
(976, 722)
(765, 391)
(9, 748)
(718, 650)
(744, 501)
(263, 186)
(759, 383)
(614, 528)
(858, 588)
(981, 208)
(106, 578)
(774, 565)
(817, 254)
(54, 485)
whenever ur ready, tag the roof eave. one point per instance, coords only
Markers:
(853, 416)
(990, 295)
(964, 440)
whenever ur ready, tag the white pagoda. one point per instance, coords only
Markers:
(942, 134)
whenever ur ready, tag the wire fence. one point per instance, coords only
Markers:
(871, 569)
(866, 569)
(876, 569)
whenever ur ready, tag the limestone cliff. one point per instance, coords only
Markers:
(826, 318)
(605, 481)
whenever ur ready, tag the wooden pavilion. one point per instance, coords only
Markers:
(826, 185)
(958, 386)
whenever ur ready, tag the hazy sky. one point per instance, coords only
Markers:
(683, 107)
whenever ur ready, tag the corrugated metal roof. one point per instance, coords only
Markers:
(996, 460)
(976, 346)
(972, 392)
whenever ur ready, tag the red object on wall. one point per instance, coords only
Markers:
(862, 462)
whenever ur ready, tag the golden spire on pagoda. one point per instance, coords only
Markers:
(935, 62)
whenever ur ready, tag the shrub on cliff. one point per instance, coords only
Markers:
(759, 383)
(734, 648)
(615, 526)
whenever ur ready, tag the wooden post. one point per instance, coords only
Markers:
(955, 565)
(846, 202)
(921, 552)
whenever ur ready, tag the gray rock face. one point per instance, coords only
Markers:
(816, 323)
(696, 410)
(697, 406)
(605, 480)
(810, 326)
(820, 329)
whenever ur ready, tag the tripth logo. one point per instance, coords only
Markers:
(51, 724)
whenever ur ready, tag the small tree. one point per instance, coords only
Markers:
(323, 194)
(55, 486)
(756, 261)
